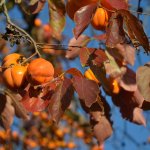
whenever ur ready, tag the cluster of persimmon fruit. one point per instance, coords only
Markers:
(17, 72)
(101, 16)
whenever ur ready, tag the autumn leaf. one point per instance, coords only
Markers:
(57, 17)
(129, 104)
(60, 100)
(85, 54)
(135, 30)
(83, 18)
(114, 32)
(128, 80)
(74, 72)
(143, 80)
(32, 6)
(115, 4)
(7, 112)
(74, 46)
(87, 90)
(123, 53)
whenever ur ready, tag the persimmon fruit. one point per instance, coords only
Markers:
(73, 5)
(37, 22)
(14, 71)
(90, 75)
(40, 71)
(100, 19)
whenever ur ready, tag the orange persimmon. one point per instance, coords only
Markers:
(13, 71)
(40, 71)
(100, 19)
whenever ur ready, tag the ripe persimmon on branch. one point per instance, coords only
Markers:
(36, 84)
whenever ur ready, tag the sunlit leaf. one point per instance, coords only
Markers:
(57, 17)
(74, 46)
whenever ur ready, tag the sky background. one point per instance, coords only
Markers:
(126, 136)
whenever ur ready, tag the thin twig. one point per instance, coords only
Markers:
(5, 11)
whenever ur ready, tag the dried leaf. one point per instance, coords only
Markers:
(115, 33)
(128, 102)
(32, 9)
(128, 80)
(87, 90)
(85, 53)
(7, 115)
(57, 17)
(60, 100)
(83, 18)
(143, 80)
(74, 46)
(124, 53)
(135, 30)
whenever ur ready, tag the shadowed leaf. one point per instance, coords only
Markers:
(83, 18)
(60, 100)
(115, 33)
(32, 6)
(128, 80)
(135, 30)
(7, 115)
(87, 90)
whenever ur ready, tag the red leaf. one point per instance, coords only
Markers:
(128, 102)
(115, 33)
(87, 90)
(85, 55)
(76, 45)
(115, 4)
(60, 100)
(124, 53)
(135, 30)
(83, 18)
(101, 37)
(128, 81)
(74, 72)
(99, 57)
(7, 112)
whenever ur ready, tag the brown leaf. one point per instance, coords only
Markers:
(7, 115)
(87, 90)
(57, 17)
(83, 18)
(102, 130)
(129, 103)
(115, 33)
(74, 72)
(84, 55)
(135, 30)
(99, 57)
(128, 81)
(143, 80)
(60, 100)
(34, 99)
(124, 53)
(101, 37)
(115, 4)
(112, 67)
(32, 8)
(75, 46)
